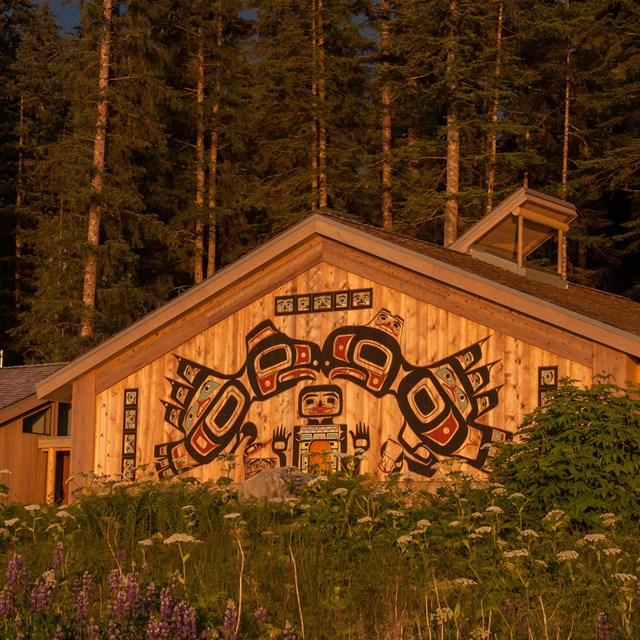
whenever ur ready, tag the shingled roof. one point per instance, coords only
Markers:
(19, 383)
(612, 310)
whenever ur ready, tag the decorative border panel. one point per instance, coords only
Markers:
(325, 301)
(129, 434)
(547, 381)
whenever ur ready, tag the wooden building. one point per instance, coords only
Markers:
(336, 337)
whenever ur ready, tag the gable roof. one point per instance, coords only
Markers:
(18, 388)
(598, 316)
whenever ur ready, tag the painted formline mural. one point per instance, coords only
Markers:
(440, 403)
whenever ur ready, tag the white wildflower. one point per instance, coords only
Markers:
(517, 495)
(485, 529)
(554, 514)
(395, 513)
(477, 515)
(609, 519)
(146, 543)
(32, 507)
(516, 553)
(404, 540)
(305, 506)
(612, 551)
(231, 516)
(569, 554)
(494, 509)
(365, 519)
(624, 577)
(530, 533)
(10, 522)
(418, 532)
(180, 537)
(423, 524)
(4, 472)
(499, 491)
(595, 537)
(340, 491)
(63, 514)
(464, 582)
(455, 523)
(442, 614)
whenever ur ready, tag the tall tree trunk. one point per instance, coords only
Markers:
(212, 237)
(17, 295)
(314, 93)
(565, 128)
(385, 99)
(318, 125)
(87, 324)
(453, 141)
(198, 273)
(493, 137)
(322, 123)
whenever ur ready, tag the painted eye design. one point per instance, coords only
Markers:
(463, 401)
(446, 375)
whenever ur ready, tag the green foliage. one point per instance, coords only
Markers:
(345, 557)
(580, 452)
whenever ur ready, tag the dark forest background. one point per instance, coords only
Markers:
(162, 139)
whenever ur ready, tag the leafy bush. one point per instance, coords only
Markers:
(579, 452)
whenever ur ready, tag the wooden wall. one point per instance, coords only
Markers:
(19, 454)
(431, 332)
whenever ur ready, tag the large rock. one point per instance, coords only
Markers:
(273, 483)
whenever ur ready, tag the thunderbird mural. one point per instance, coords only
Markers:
(439, 404)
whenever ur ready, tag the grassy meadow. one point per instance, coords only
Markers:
(344, 558)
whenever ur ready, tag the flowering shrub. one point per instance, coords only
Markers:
(580, 452)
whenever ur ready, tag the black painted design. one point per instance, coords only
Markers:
(129, 433)
(440, 404)
(324, 301)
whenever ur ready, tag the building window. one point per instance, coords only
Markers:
(64, 419)
(38, 422)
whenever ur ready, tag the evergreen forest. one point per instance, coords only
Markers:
(162, 139)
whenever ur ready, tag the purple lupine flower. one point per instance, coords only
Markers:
(230, 621)
(287, 632)
(183, 621)
(93, 630)
(6, 603)
(260, 615)
(41, 597)
(151, 598)
(133, 591)
(166, 604)
(59, 633)
(603, 627)
(18, 575)
(157, 630)
(59, 559)
(82, 591)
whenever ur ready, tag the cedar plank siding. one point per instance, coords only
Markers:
(222, 347)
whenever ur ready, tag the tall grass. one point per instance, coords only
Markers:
(343, 558)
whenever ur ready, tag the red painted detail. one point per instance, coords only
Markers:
(341, 371)
(443, 433)
(201, 442)
(303, 353)
(341, 346)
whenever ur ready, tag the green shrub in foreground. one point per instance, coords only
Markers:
(579, 452)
